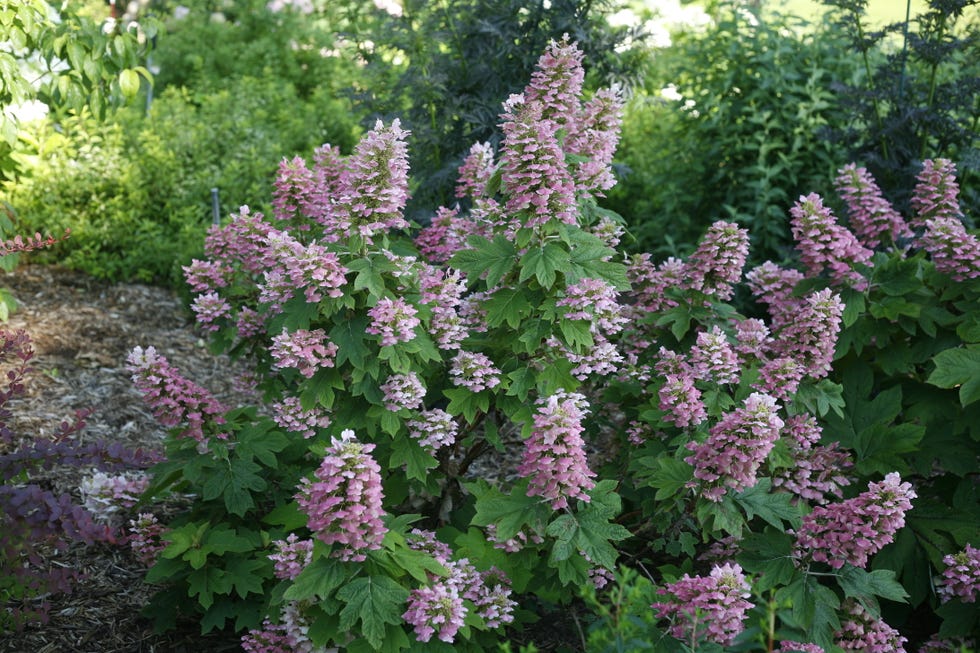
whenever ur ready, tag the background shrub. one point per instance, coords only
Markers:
(737, 136)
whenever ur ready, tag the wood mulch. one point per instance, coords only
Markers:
(82, 331)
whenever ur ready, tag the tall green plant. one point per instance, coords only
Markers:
(919, 96)
(737, 135)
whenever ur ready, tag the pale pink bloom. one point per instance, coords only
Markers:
(174, 399)
(711, 608)
(713, 358)
(290, 415)
(343, 500)
(474, 371)
(854, 529)
(809, 333)
(475, 171)
(716, 264)
(594, 300)
(433, 429)
(435, 610)
(936, 192)
(736, 447)
(241, 243)
(595, 135)
(773, 286)
(873, 219)
(961, 577)
(955, 251)
(203, 276)
(291, 557)
(862, 631)
(403, 391)
(554, 455)
(377, 190)
(817, 471)
(556, 83)
(209, 309)
(824, 244)
(393, 320)
(303, 350)
(787, 646)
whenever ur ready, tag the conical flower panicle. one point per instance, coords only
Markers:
(873, 219)
(343, 500)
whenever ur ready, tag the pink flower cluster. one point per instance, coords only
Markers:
(717, 262)
(679, 397)
(595, 138)
(736, 447)
(343, 502)
(433, 429)
(808, 335)
(290, 635)
(864, 632)
(104, 495)
(393, 320)
(709, 607)
(403, 391)
(817, 471)
(377, 190)
(239, 244)
(825, 244)
(873, 219)
(146, 538)
(295, 265)
(440, 607)
(713, 358)
(291, 557)
(289, 414)
(446, 234)
(961, 577)
(954, 251)
(534, 170)
(936, 192)
(436, 608)
(303, 350)
(554, 455)
(474, 371)
(475, 171)
(594, 300)
(209, 308)
(854, 529)
(787, 646)
(173, 399)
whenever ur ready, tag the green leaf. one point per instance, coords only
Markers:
(510, 513)
(374, 601)
(247, 574)
(318, 580)
(576, 332)
(368, 276)
(670, 477)
(773, 507)
(958, 367)
(865, 586)
(204, 583)
(409, 453)
(508, 305)
(348, 335)
(543, 263)
(522, 381)
(288, 516)
(223, 539)
(495, 258)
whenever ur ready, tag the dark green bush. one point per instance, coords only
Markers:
(919, 97)
(745, 140)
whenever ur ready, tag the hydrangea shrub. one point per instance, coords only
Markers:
(629, 411)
